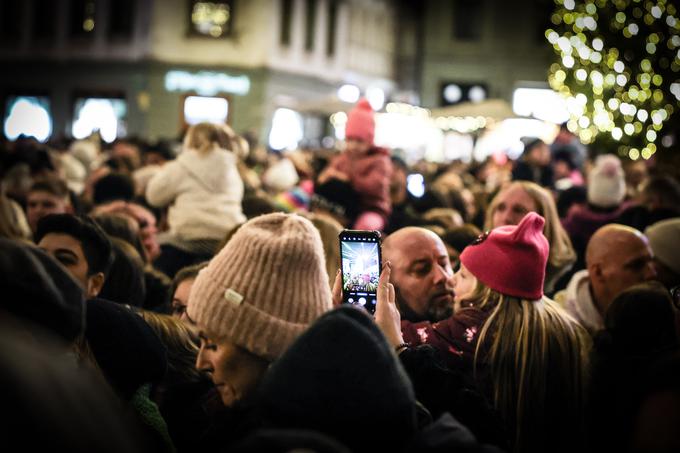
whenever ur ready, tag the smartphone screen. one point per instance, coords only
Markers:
(361, 264)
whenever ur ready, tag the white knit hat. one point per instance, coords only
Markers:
(606, 182)
(664, 239)
(264, 287)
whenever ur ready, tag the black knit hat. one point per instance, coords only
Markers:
(338, 198)
(126, 348)
(341, 378)
(35, 287)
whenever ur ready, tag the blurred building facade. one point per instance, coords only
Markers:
(161, 65)
(171, 62)
(478, 49)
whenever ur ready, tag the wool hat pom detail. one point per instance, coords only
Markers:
(361, 122)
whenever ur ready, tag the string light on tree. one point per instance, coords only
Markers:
(618, 65)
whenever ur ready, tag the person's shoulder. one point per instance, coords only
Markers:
(471, 315)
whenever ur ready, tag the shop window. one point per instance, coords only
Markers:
(105, 115)
(455, 92)
(540, 103)
(211, 19)
(286, 130)
(28, 116)
(199, 109)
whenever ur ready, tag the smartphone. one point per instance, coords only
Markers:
(361, 264)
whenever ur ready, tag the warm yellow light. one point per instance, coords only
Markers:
(88, 24)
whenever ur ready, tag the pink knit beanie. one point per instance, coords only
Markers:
(360, 122)
(511, 259)
(264, 287)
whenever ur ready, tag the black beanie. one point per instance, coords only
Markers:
(337, 197)
(38, 289)
(126, 348)
(341, 378)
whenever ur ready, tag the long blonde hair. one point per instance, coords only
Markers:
(561, 250)
(535, 355)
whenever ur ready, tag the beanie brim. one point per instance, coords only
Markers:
(244, 325)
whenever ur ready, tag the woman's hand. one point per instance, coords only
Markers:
(387, 314)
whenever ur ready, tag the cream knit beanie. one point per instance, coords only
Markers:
(265, 287)
(606, 182)
(664, 239)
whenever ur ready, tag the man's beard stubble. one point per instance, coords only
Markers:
(435, 312)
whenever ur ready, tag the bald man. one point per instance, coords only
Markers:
(421, 274)
(617, 257)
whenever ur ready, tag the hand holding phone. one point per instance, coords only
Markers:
(361, 264)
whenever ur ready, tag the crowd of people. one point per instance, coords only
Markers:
(186, 296)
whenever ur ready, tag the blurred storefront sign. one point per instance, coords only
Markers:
(206, 83)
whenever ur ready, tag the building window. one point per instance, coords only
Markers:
(310, 25)
(28, 116)
(211, 109)
(82, 18)
(44, 19)
(454, 93)
(467, 20)
(103, 115)
(330, 30)
(121, 19)
(211, 19)
(286, 21)
(11, 19)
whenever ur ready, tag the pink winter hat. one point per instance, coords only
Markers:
(511, 259)
(360, 122)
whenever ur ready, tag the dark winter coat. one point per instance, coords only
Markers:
(342, 379)
(582, 221)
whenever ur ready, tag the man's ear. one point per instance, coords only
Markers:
(94, 284)
(595, 272)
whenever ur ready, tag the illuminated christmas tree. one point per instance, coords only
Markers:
(619, 68)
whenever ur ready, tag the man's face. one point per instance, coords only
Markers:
(629, 263)
(69, 252)
(422, 276)
(39, 204)
(513, 205)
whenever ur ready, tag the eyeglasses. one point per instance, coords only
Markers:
(675, 296)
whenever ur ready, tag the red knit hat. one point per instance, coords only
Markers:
(511, 259)
(360, 122)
